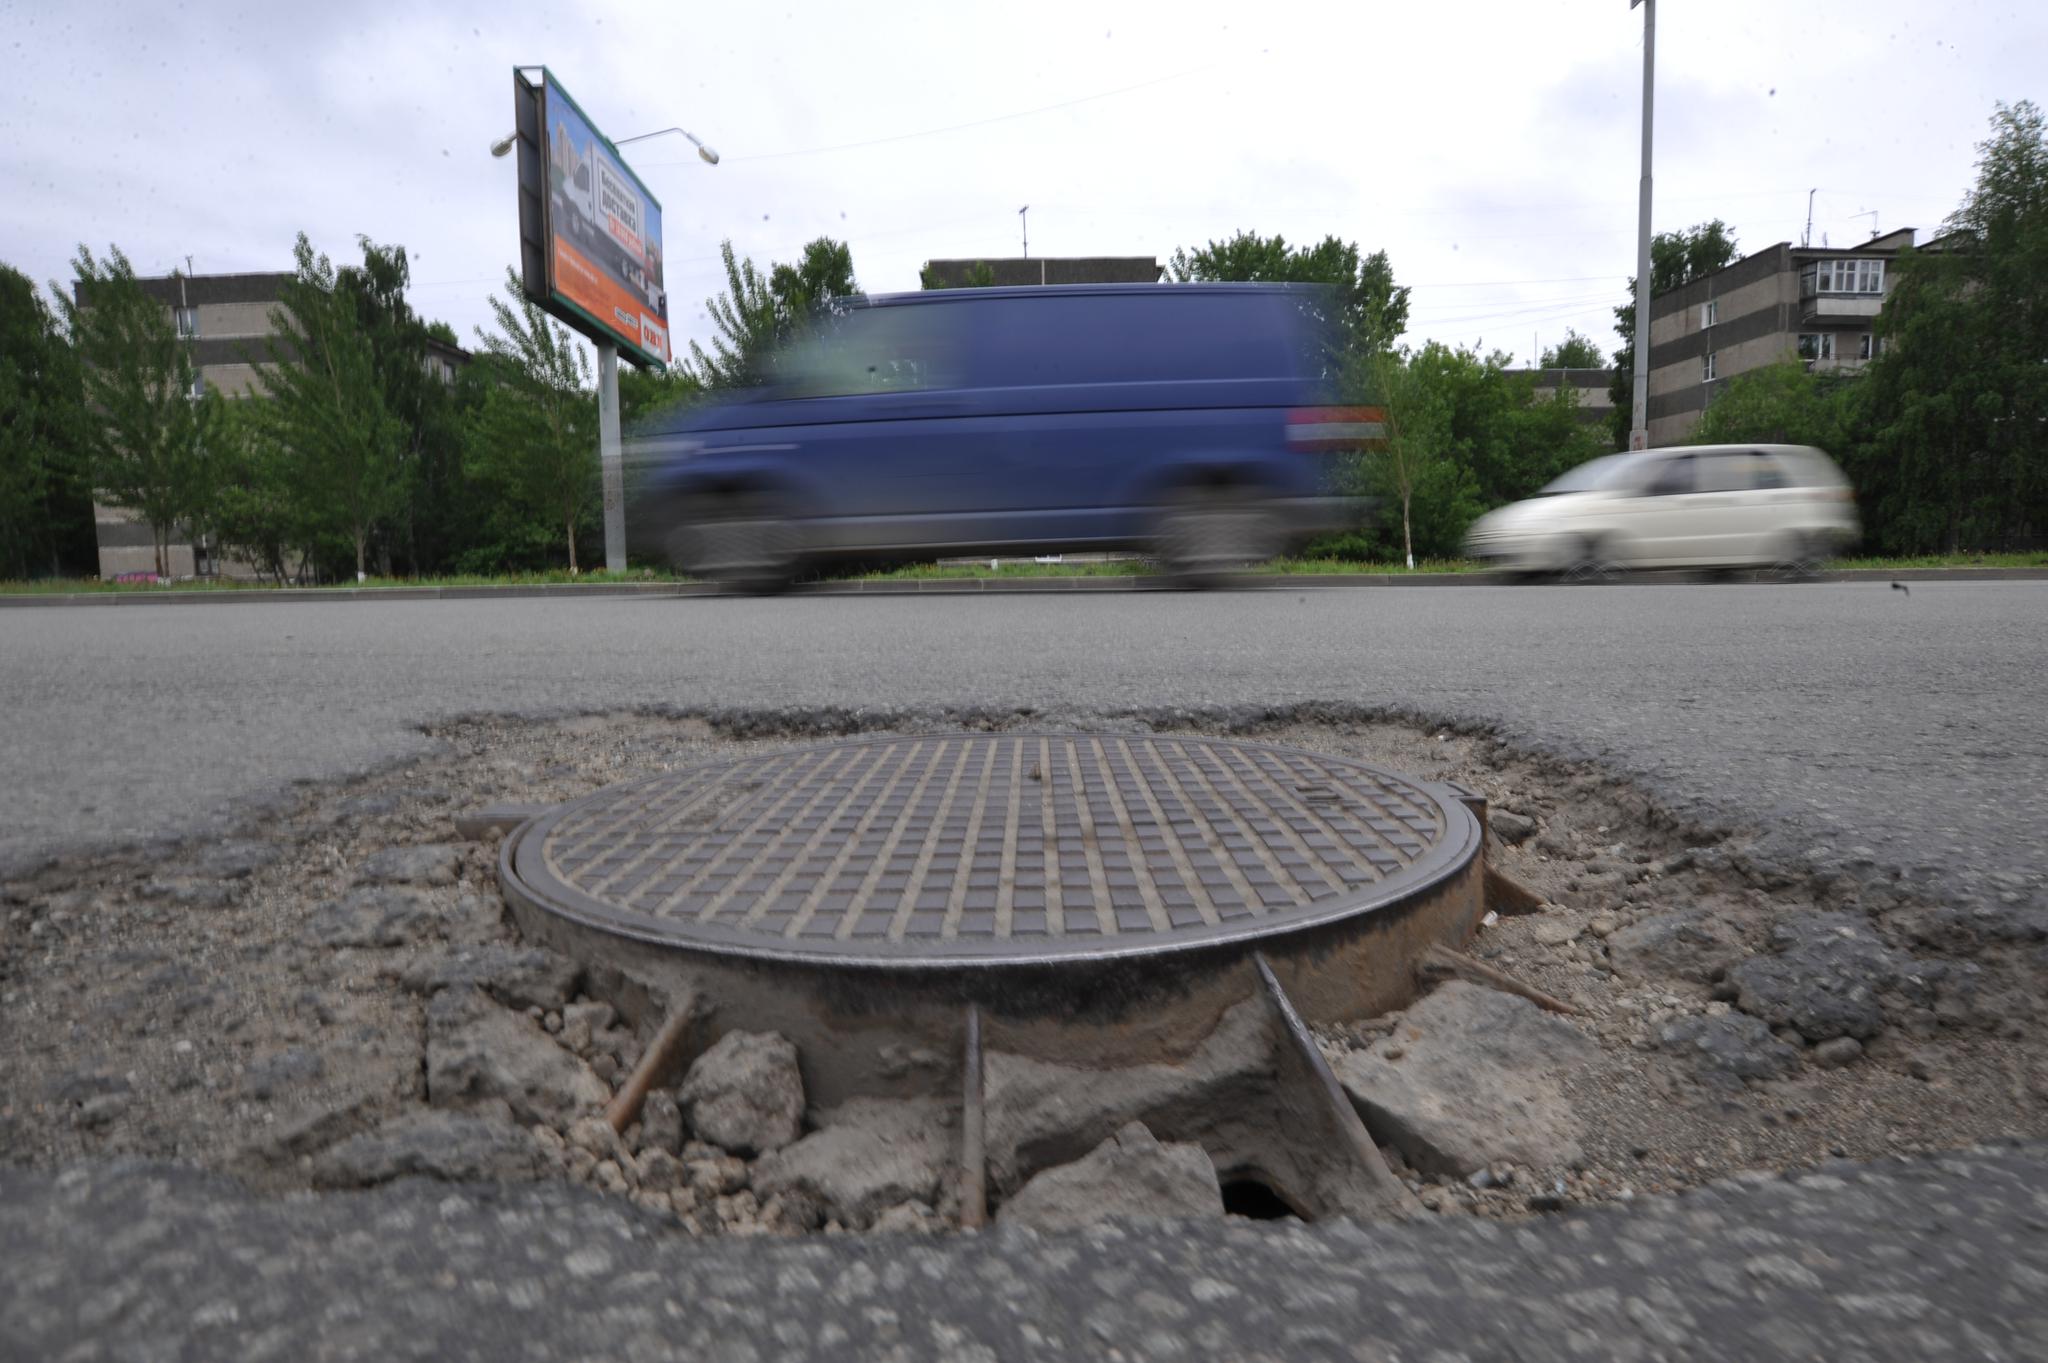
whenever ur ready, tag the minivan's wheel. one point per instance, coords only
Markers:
(742, 540)
(1795, 558)
(1590, 563)
(1204, 535)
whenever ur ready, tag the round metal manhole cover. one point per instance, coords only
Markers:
(954, 848)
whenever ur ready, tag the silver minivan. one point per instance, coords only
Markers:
(1695, 506)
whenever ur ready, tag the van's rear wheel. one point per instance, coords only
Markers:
(741, 540)
(1590, 563)
(1204, 535)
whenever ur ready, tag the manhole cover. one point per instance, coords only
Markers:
(957, 848)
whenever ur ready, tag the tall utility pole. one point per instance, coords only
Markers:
(1024, 225)
(1639, 433)
(610, 462)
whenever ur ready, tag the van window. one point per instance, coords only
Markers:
(1158, 336)
(873, 350)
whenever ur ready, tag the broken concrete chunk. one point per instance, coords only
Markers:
(285, 1069)
(745, 1094)
(375, 916)
(519, 977)
(1509, 826)
(1693, 944)
(1828, 977)
(868, 1155)
(1470, 1077)
(479, 1052)
(443, 1145)
(661, 1123)
(1730, 1049)
(1132, 1174)
(1042, 1114)
(427, 864)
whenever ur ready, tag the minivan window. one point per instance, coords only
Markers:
(1605, 472)
(1727, 472)
(1160, 336)
(1674, 479)
(873, 350)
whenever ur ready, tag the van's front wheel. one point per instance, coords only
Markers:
(1204, 535)
(741, 540)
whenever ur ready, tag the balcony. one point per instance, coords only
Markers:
(1841, 291)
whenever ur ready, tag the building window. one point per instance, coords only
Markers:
(1817, 345)
(1869, 347)
(1710, 312)
(1851, 276)
(188, 323)
(198, 388)
(1707, 367)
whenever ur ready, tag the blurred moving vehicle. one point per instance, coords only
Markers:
(1185, 420)
(1700, 506)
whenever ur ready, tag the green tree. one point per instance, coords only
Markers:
(45, 503)
(1956, 407)
(1573, 352)
(1778, 404)
(430, 500)
(1676, 259)
(1372, 311)
(147, 436)
(535, 437)
(262, 516)
(330, 413)
(979, 275)
(759, 311)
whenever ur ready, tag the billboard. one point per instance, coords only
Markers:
(590, 233)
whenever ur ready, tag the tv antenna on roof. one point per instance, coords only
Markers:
(1807, 239)
(1872, 215)
(1024, 224)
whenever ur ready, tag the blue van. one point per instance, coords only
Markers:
(1187, 421)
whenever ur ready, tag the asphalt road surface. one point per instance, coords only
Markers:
(1844, 716)
(1848, 716)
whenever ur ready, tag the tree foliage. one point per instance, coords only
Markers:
(979, 275)
(147, 435)
(534, 437)
(1372, 310)
(762, 311)
(1954, 453)
(45, 503)
(1676, 259)
(330, 409)
(1779, 404)
(1573, 352)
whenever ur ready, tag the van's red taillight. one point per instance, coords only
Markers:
(1336, 428)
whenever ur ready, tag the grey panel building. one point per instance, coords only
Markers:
(1024, 270)
(226, 321)
(1593, 389)
(1815, 302)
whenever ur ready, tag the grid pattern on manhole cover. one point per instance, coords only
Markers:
(969, 844)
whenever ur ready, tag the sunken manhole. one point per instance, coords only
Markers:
(1059, 931)
(1012, 856)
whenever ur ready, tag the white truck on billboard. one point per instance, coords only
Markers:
(601, 214)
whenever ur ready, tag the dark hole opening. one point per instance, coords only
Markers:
(1251, 1198)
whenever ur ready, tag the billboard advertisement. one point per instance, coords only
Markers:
(596, 246)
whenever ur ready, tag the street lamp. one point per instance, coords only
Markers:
(710, 156)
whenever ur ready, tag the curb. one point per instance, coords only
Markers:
(933, 586)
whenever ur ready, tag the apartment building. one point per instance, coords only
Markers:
(1818, 303)
(1592, 389)
(226, 320)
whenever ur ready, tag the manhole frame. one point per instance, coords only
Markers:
(1428, 875)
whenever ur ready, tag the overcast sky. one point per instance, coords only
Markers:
(1490, 146)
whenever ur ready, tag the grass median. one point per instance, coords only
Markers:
(978, 568)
